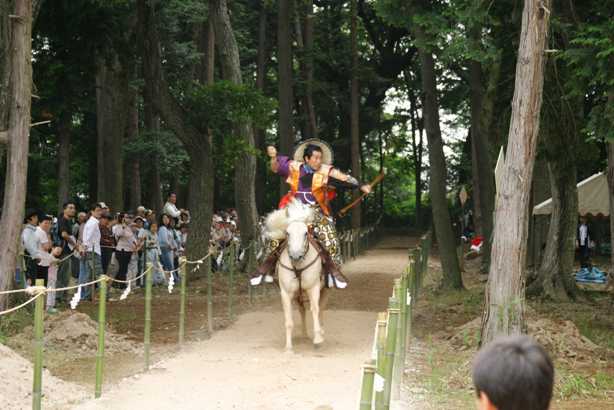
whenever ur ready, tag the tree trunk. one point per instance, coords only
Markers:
(286, 98)
(6, 7)
(554, 280)
(417, 144)
(441, 215)
(611, 192)
(381, 169)
(64, 131)
(482, 166)
(152, 127)
(610, 170)
(18, 136)
(304, 40)
(112, 102)
(132, 133)
(475, 179)
(354, 115)
(245, 165)
(194, 140)
(259, 134)
(504, 306)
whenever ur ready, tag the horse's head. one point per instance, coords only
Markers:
(298, 245)
(300, 216)
(292, 223)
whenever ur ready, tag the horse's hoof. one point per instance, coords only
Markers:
(289, 351)
(319, 345)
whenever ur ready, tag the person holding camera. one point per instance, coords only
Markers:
(126, 242)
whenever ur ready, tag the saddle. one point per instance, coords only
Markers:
(268, 265)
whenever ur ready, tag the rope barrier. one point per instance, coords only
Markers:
(6, 312)
(130, 280)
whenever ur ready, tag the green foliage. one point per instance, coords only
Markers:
(590, 56)
(222, 105)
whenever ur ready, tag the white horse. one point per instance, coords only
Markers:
(299, 268)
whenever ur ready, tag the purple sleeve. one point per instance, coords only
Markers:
(284, 166)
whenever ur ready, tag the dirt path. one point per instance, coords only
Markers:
(245, 366)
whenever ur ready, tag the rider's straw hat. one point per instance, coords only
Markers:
(327, 152)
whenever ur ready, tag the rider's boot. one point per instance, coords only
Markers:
(264, 270)
(335, 279)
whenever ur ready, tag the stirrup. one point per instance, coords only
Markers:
(336, 283)
(255, 281)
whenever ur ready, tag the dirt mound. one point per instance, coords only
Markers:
(16, 388)
(75, 333)
(561, 339)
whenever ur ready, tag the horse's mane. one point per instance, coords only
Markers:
(277, 221)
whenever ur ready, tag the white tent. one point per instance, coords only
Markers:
(592, 197)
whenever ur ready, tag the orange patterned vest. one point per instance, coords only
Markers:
(319, 187)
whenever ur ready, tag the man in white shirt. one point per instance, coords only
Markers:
(44, 246)
(91, 244)
(30, 245)
(170, 208)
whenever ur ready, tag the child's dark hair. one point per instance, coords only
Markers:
(515, 373)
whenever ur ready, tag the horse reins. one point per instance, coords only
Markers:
(297, 271)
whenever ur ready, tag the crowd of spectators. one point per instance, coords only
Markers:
(79, 246)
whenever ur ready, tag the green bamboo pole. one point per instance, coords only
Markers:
(398, 351)
(381, 340)
(382, 326)
(147, 330)
(102, 313)
(183, 272)
(39, 328)
(209, 272)
(368, 376)
(231, 273)
(391, 343)
(417, 256)
(410, 296)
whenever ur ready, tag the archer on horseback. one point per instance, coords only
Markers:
(312, 180)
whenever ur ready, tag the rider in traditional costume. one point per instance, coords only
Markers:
(312, 180)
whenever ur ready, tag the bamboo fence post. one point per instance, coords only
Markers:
(102, 313)
(417, 255)
(382, 325)
(381, 340)
(231, 271)
(147, 330)
(209, 272)
(391, 343)
(39, 328)
(183, 273)
(410, 295)
(368, 376)
(398, 351)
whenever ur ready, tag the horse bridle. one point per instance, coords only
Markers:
(299, 271)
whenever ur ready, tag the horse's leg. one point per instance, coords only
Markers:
(324, 294)
(286, 301)
(314, 301)
(301, 309)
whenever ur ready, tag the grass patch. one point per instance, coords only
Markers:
(14, 323)
(571, 386)
(597, 331)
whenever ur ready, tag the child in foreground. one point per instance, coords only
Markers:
(513, 373)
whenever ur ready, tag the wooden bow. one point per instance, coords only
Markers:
(345, 210)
